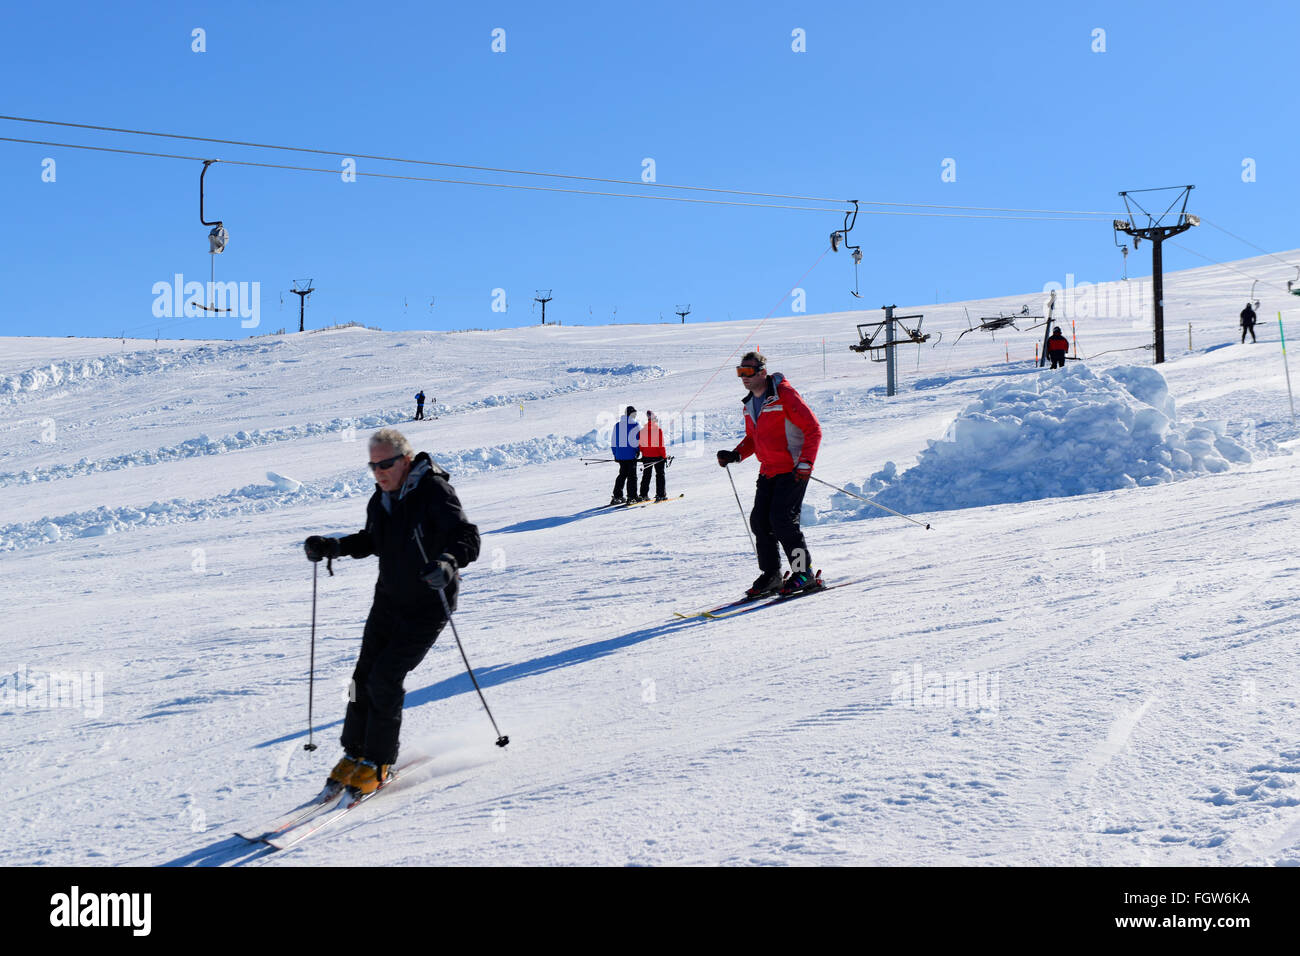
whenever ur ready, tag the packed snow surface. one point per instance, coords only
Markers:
(1089, 658)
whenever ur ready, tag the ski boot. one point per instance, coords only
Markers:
(368, 777)
(340, 775)
(616, 500)
(800, 581)
(769, 582)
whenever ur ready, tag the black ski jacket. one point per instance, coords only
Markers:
(408, 531)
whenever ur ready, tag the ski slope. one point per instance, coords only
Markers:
(1104, 678)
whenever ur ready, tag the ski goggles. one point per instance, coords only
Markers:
(386, 463)
(746, 371)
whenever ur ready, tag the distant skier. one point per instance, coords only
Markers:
(415, 524)
(653, 456)
(785, 435)
(1248, 324)
(419, 406)
(1057, 346)
(625, 446)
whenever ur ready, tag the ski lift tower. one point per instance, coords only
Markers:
(683, 311)
(302, 301)
(543, 296)
(1157, 231)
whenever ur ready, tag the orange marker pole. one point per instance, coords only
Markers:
(1074, 335)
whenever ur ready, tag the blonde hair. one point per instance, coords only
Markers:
(394, 440)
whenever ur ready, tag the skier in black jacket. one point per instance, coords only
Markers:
(1248, 324)
(414, 523)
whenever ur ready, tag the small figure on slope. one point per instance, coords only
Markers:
(1248, 324)
(415, 525)
(419, 406)
(1057, 346)
(783, 432)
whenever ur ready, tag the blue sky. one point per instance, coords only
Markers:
(1013, 93)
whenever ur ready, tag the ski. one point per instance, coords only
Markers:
(638, 504)
(295, 817)
(348, 802)
(779, 599)
(747, 599)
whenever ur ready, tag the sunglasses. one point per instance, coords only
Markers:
(745, 371)
(386, 463)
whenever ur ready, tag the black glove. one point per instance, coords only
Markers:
(728, 457)
(438, 574)
(318, 547)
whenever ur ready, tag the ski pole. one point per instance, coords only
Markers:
(594, 461)
(1282, 332)
(502, 739)
(311, 673)
(870, 502)
(742, 511)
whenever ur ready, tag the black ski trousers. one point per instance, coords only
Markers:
(660, 484)
(392, 646)
(1057, 359)
(775, 521)
(626, 473)
(1251, 329)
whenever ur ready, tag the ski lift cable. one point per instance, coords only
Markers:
(754, 332)
(1224, 265)
(553, 189)
(528, 172)
(1290, 265)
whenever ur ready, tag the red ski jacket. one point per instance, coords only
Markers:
(780, 428)
(1058, 343)
(652, 441)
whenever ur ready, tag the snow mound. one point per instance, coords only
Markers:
(1057, 434)
(283, 482)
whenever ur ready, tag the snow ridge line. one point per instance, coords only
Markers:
(256, 499)
(203, 445)
(73, 371)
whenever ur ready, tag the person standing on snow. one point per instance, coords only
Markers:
(419, 406)
(414, 523)
(1057, 346)
(625, 445)
(784, 433)
(1248, 324)
(653, 455)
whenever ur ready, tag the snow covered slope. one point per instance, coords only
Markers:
(1054, 675)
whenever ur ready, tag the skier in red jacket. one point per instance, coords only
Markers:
(653, 456)
(784, 433)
